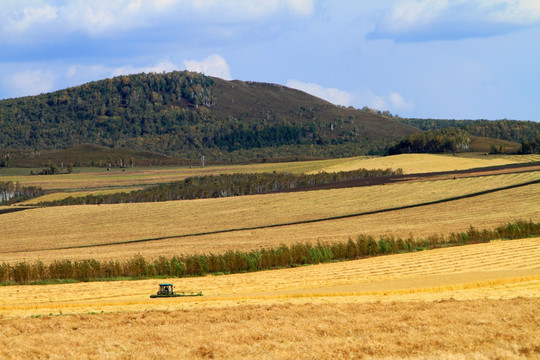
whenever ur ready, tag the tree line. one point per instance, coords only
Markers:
(224, 185)
(230, 262)
(11, 192)
(530, 146)
(433, 141)
(509, 130)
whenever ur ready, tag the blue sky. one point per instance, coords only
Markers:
(459, 59)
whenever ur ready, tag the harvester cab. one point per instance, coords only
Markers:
(166, 290)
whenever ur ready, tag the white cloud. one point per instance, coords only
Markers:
(333, 95)
(302, 7)
(30, 82)
(105, 17)
(213, 65)
(394, 101)
(398, 102)
(420, 20)
(242, 10)
(34, 16)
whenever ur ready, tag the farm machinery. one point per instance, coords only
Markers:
(166, 290)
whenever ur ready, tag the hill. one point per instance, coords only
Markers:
(185, 114)
(514, 131)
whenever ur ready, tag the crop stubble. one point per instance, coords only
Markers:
(27, 234)
(475, 301)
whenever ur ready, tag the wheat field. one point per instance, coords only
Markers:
(58, 232)
(89, 178)
(421, 163)
(499, 269)
(86, 179)
(476, 301)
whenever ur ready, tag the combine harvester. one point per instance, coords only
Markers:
(166, 290)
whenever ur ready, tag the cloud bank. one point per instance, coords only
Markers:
(426, 20)
(103, 18)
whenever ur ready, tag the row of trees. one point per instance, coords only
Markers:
(225, 185)
(255, 260)
(11, 192)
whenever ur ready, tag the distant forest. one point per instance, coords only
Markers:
(188, 115)
(509, 130)
(433, 141)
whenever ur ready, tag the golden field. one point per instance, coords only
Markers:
(92, 179)
(45, 233)
(477, 329)
(422, 163)
(475, 301)
(470, 302)
(122, 179)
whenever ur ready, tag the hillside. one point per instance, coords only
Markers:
(509, 130)
(187, 115)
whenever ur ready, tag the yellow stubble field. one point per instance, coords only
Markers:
(86, 179)
(125, 179)
(475, 301)
(45, 233)
(421, 163)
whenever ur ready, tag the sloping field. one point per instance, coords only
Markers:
(500, 269)
(422, 163)
(100, 178)
(60, 232)
(122, 179)
(390, 306)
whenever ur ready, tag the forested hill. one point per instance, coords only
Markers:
(509, 130)
(187, 114)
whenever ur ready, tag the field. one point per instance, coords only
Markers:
(482, 299)
(65, 232)
(85, 179)
(420, 163)
(476, 301)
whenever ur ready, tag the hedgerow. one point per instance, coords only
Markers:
(237, 261)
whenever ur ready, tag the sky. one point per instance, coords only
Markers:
(450, 59)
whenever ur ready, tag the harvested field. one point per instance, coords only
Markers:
(421, 163)
(86, 179)
(475, 301)
(29, 234)
(480, 329)
(100, 178)
(499, 269)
